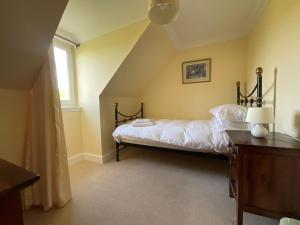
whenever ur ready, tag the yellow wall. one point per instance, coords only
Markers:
(167, 97)
(13, 122)
(72, 126)
(275, 43)
(97, 61)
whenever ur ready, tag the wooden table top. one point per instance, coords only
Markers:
(14, 178)
(275, 140)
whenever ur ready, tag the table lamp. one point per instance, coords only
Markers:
(260, 116)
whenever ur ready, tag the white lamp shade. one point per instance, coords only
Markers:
(163, 11)
(260, 115)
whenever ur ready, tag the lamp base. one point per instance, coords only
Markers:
(259, 131)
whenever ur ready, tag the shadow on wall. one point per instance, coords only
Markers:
(297, 123)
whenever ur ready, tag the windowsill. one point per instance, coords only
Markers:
(70, 109)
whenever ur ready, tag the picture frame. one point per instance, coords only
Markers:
(196, 71)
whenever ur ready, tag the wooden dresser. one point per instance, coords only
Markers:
(265, 174)
(13, 179)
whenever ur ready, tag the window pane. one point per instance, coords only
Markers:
(61, 62)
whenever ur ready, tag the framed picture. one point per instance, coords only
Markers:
(196, 71)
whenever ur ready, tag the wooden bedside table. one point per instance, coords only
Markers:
(265, 174)
(13, 179)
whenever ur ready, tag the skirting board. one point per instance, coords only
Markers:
(90, 157)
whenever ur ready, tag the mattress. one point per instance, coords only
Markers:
(189, 135)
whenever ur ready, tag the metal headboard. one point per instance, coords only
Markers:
(127, 118)
(248, 99)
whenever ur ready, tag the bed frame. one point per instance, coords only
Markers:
(246, 100)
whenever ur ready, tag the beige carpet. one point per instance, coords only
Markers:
(148, 188)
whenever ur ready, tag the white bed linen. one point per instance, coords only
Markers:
(199, 135)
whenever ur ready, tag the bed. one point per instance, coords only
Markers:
(197, 136)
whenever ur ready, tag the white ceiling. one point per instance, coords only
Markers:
(87, 19)
(200, 22)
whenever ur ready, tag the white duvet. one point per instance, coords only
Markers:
(191, 135)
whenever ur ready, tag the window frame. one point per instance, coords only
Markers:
(72, 103)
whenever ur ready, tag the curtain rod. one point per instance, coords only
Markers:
(67, 40)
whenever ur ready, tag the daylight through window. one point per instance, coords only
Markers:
(63, 61)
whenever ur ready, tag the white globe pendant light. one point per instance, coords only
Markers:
(163, 11)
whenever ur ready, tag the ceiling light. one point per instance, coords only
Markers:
(163, 11)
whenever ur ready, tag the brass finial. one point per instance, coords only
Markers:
(259, 71)
(238, 83)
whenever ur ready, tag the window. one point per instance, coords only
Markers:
(63, 55)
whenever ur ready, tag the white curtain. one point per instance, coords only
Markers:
(45, 149)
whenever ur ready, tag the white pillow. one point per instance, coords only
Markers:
(229, 112)
(223, 125)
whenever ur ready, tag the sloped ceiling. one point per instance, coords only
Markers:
(203, 22)
(27, 29)
(199, 22)
(87, 19)
(153, 50)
